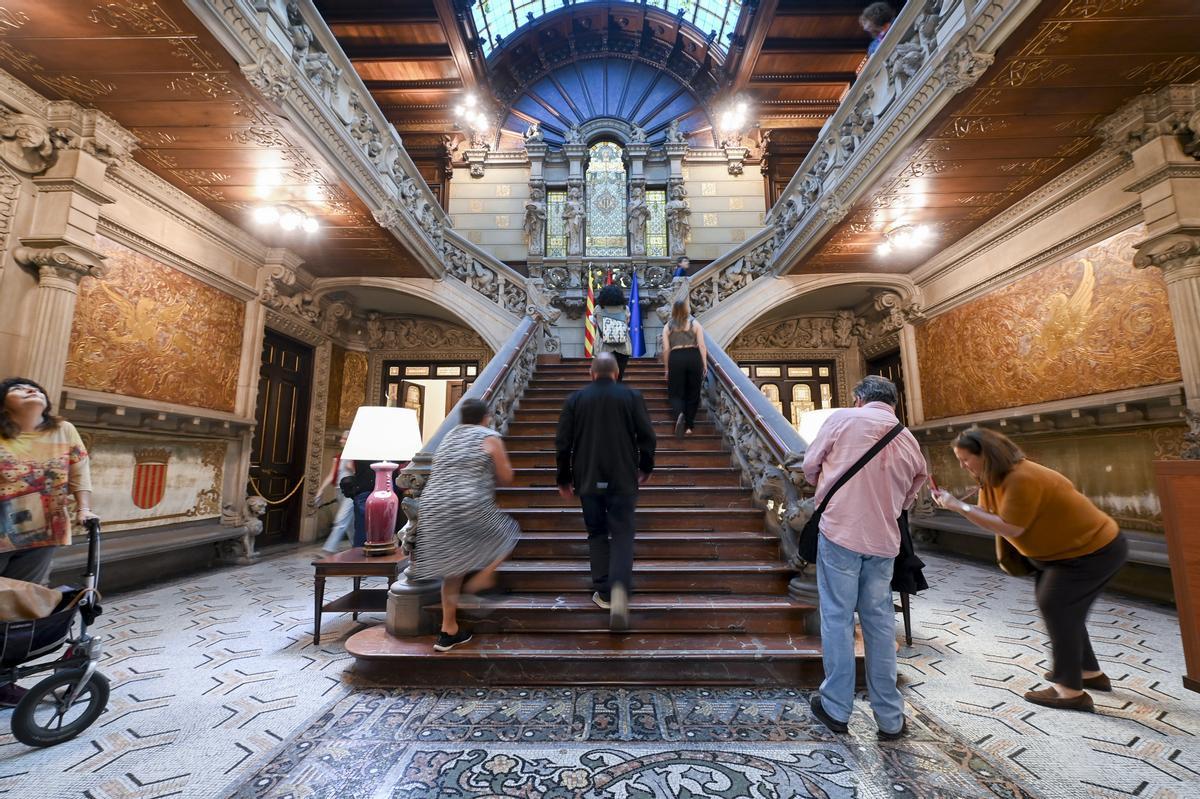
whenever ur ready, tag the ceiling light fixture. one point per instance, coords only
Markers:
(286, 217)
(472, 116)
(904, 237)
(733, 122)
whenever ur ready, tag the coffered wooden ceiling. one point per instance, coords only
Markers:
(1030, 118)
(154, 68)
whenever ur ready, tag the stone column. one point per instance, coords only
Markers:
(59, 271)
(1178, 255)
(912, 374)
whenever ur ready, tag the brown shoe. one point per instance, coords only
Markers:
(1048, 697)
(1101, 683)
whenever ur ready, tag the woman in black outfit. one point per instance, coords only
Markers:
(686, 360)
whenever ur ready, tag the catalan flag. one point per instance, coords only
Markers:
(589, 330)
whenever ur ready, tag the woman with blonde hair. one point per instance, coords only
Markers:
(1074, 546)
(685, 360)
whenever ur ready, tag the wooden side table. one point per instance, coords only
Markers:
(353, 563)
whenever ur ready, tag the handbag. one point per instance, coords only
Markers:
(1010, 560)
(812, 528)
(613, 331)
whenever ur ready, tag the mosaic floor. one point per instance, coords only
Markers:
(219, 692)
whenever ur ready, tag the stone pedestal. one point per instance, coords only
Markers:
(406, 597)
(59, 270)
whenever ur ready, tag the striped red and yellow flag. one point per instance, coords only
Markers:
(589, 330)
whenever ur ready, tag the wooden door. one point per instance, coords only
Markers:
(278, 455)
(891, 367)
(454, 392)
(412, 396)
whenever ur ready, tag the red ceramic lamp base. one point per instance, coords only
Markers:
(381, 510)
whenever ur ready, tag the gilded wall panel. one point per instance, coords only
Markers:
(1087, 325)
(333, 407)
(1114, 468)
(147, 330)
(354, 387)
(142, 481)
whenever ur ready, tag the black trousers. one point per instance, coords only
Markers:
(1066, 590)
(609, 522)
(622, 359)
(685, 370)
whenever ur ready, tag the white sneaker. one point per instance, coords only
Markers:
(604, 603)
(618, 617)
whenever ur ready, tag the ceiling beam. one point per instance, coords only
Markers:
(368, 12)
(803, 79)
(778, 44)
(428, 84)
(819, 8)
(751, 40)
(452, 28)
(397, 52)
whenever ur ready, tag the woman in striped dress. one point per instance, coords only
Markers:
(460, 529)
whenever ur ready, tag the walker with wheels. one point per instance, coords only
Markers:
(70, 700)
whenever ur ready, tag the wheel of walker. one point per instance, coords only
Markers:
(43, 718)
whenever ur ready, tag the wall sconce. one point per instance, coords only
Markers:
(904, 238)
(286, 217)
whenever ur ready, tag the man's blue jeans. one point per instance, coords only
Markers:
(360, 518)
(848, 581)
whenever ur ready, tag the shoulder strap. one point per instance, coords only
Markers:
(861, 462)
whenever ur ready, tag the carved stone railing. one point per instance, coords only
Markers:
(769, 452)
(484, 273)
(287, 52)
(500, 385)
(934, 50)
(732, 272)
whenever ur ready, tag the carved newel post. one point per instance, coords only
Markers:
(59, 271)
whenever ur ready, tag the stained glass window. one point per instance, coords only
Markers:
(495, 20)
(606, 199)
(656, 225)
(556, 234)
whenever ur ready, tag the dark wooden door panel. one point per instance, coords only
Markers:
(277, 460)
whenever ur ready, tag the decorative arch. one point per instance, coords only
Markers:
(727, 320)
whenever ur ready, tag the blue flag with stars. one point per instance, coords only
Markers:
(636, 344)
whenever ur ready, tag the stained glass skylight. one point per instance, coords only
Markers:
(496, 20)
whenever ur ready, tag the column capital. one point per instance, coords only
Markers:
(65, 263)
(1177, 254)
(1171, 111)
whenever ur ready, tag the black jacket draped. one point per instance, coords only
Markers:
(604, 439)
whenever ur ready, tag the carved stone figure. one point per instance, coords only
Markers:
(573, 215)
(301, 35)
(639, 214)
(574, 136)
(533, 134)
(26, 144)
(732, 278)
(248, 519)
(535, 220)
(637, 135)
(674, 134)
(843, 328)
(679, 219)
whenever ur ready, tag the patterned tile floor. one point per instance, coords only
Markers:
(218, 691)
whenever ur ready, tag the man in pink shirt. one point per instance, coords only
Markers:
(858, 546)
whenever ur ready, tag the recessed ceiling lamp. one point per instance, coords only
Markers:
(904, 238)
(470, 113)
(286, 217)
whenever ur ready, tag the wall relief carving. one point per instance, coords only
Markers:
(1090, 324)
(418, 333)
(147, 330)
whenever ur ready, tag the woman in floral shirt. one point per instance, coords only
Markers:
(42, 462)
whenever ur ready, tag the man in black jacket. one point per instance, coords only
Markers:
(605, 446)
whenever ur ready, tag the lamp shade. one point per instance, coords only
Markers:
(383, 434)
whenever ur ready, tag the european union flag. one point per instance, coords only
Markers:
(635, 321)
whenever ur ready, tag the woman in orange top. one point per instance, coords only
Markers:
(1075, 547)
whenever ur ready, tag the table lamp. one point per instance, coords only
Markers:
(384, 435)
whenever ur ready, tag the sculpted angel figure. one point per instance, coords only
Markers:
(639, 213)
(574, 136)
(533, 134)
(674, 134)
(638, 135)
(535, 220)
(573, 214)
(678, 219)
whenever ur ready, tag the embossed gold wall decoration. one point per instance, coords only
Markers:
(1086, 325)
(354, 387)
(147, 330)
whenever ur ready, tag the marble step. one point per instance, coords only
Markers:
(727, 545)
(650, 496)
(549, 410)
(665, 443)
(560, 391)
(542, 457)
(649, 613)
(592, 658)
(672, 475)
(697, 520)
(707, 577)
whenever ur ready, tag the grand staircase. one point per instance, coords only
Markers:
(710, 602)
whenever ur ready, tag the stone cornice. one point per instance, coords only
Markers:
(1167, 172)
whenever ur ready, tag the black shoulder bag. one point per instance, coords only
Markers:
(812, 529)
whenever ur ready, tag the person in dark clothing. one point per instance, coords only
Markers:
(605, 446)
(357, 488)
(685, 358)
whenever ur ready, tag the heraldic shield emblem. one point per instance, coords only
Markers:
(149, 476)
